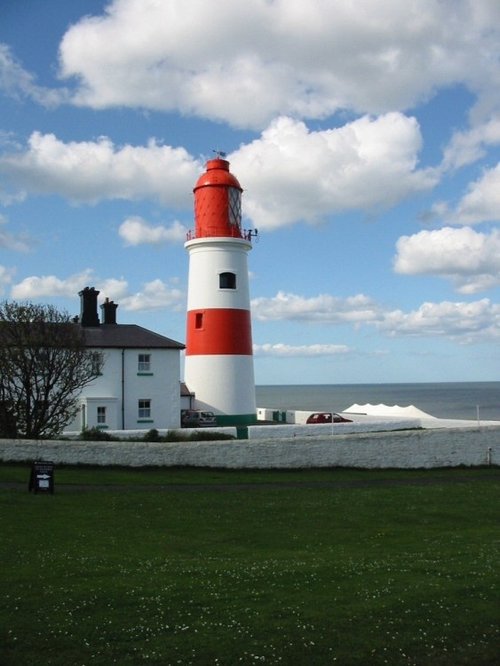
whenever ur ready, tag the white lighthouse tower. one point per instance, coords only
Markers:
(219, 356)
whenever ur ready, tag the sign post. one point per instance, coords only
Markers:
(42, 477)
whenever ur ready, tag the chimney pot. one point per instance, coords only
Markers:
(108, 309)
(88, 304)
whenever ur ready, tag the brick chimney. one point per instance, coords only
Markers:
(88, 307)
(108, 312)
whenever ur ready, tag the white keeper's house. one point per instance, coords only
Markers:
(139, 387)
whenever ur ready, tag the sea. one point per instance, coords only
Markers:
(447, 400)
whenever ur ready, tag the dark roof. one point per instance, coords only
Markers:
(126, 336)
(185, 391)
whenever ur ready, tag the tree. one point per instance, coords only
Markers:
(44, 365)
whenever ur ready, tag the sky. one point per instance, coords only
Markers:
(365, 135)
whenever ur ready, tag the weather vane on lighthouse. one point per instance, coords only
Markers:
(220, 153)
(219, 354)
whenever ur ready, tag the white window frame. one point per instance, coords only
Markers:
(144, 362)
(144, 409)
(101, 415)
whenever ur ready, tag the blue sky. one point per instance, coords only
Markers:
(366, 137)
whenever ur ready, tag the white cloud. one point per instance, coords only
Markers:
(20, 243)
(6, 275)
(462, 322)
(323, 308)
(477, 321)
(154, 295)
(471, 260)
(284, 350)
(136, 231)
(466, 323)
(35, 287)
(293, 174)
(482, 201)
(215, 58)
(290, 173)
(50, 286)
(469, 146)
(112, 288)
(90, 171)
(19, 84)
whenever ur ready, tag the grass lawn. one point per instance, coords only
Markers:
(314, 567)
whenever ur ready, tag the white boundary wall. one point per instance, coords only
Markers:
(444, 447)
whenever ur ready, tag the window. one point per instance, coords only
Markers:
(234, 206)
(198, 323)
(227, 280)
(144, 408)
(144, 364)
(101, 415)
(97, 362)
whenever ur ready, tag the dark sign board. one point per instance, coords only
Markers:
(42, 477)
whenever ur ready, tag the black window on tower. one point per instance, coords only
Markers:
(227, 280)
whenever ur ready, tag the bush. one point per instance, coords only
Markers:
(195, 436)
(178, 436)
(97, 435)
(152, 436)
(207, 436)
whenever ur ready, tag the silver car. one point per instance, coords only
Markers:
(195, 418)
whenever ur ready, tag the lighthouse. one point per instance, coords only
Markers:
(219, 355)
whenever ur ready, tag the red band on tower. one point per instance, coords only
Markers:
(219, 331)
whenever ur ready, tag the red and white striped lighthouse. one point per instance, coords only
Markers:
(219, 356)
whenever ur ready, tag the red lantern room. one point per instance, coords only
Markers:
(217, 202)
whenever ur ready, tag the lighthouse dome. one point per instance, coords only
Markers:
(217, 202)
(217, 173)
